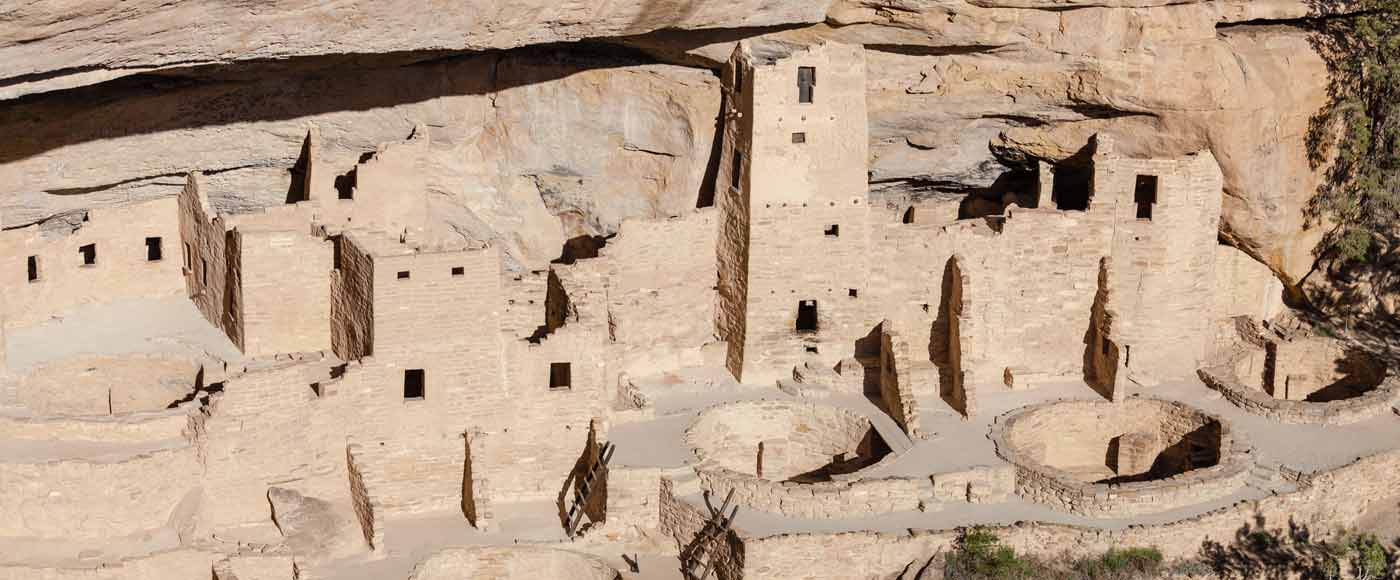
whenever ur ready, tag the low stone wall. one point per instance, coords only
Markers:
(987, 484)
(1017, 441)
(106, 385)
(1221, 376)
(1326, 502)
(824, 500)
(77, 499)
(511, 563)
(136, 427)
(176, 565)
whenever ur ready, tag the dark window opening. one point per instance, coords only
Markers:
(799, 137)
(153, 249)
(807, 316)
(834, 230)
(812, 349)
(187, 255)
(1071, 188)
(1145, 195)
(336, 256)
(560, 376)
(736, 167)
(459, 271)
(1104, 346)
(909, 215)
(403, 274)
(413, 384)
(806, 83)
(34, 268)
(89, 253)
(204, 273)
(738, 78)
(853, 293)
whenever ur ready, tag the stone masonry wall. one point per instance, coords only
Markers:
(121, 269)
(285, 291)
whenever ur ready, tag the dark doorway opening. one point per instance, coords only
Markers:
(806, 83)
(33, 268)
(153, 250)
(1145, 196)
(1071, 187)
(89, 253)
(414, 384)
(833, 231)
(560, 376)
(807, 316)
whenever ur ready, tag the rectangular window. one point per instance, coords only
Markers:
(33, 268)
(153, 249)
(806, 83)
(89, 253)
(1145, 196)
(807, 316)
(736, 168)
(414, 384)
(459, 271)
(832, 231)
(560, 376)
(799, 137)
(336, 241)
(187, 256)
(738, 77)
(403, 274)
(852, 292)
(204, 273)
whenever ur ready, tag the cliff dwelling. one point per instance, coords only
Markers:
(581, 343)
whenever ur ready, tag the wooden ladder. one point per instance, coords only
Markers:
(697, 563)
(584, 491)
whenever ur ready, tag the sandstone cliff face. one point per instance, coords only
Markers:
(539, 144)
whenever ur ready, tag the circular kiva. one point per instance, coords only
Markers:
(797, 459)
(107, 385)
(1134, 457)
(1314, 380)
(512, 563)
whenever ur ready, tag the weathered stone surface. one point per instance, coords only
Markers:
(314, 529)
(53, 45)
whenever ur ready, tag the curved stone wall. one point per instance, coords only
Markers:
(512, 563)
(1134, 457)
(797, 459)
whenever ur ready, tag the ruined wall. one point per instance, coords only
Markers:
(182, 563)
(284, 290)
(351, 300)
(512, 563)
(267, 427)
(896, 382)
(1162, 277)
(389, 188)
(72, 499)
(119, 271)
(104, 385)
(661, 291)
(208, 258)
(403, 477)
(732, 201)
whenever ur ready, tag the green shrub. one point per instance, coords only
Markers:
(980, 556)
(1121, 563)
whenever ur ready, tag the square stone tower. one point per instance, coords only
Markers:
(791, 192)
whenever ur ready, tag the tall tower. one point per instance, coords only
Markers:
(791, 191)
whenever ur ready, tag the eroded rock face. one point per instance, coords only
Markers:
(534, 146)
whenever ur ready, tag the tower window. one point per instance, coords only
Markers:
(89, 253)
(187, 255)
(738, 77)
(736, 167)
(153, 250)
(799, 137)
(403, 274)
(852, 292)
(807, 316)
(909, 215)
(1145, 196)
(832, 231)
(806, 83)
(33, 268)
(560, 376)
(414, 384)
(459, 271)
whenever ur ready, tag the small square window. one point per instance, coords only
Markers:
(459, 271)
(403, 274)
(89, 253)
(33, 268)
(812, 349)
(414, 384)
(852, 292)
(832, 231)
(560, 376)
(154, 252)
(799, 137)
